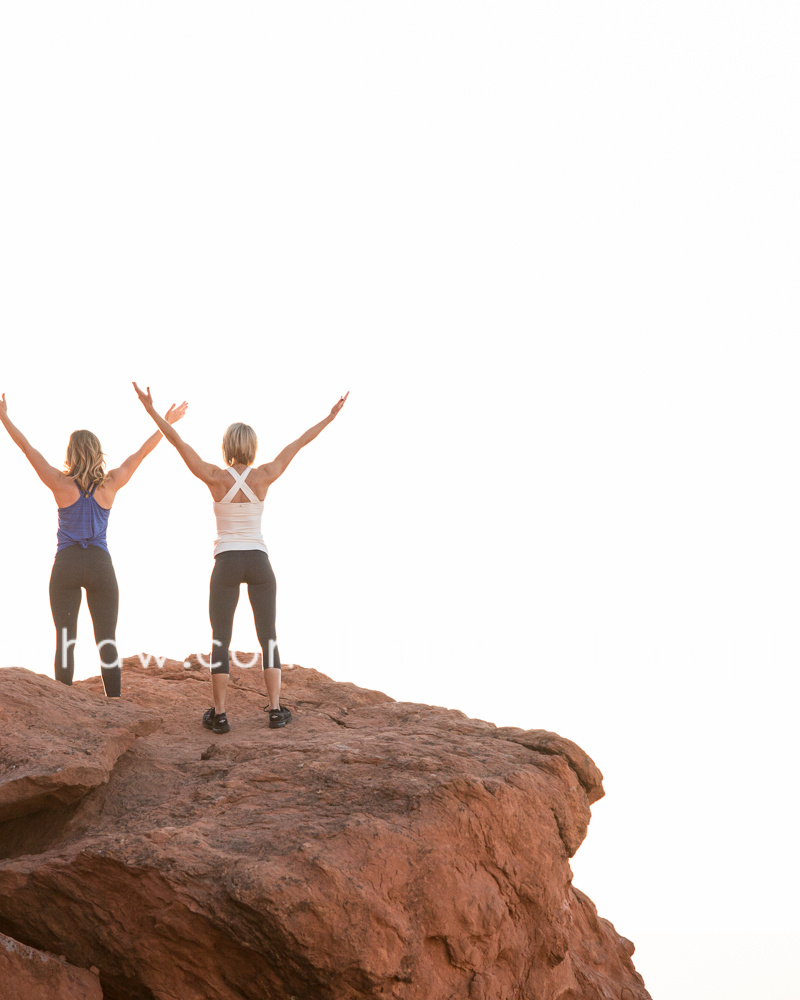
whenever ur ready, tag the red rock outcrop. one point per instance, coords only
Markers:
(28, 974)
(371, 849)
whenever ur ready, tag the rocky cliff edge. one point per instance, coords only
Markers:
(371, 849)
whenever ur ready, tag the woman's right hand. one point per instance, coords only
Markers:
(3, 405)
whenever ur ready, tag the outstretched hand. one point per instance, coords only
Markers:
(145, 397)
(3, 405)
(174, 413)
(340, 404)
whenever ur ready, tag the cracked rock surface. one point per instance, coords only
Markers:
(371, 849)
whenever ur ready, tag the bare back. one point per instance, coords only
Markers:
(258, 481)
(66, 492)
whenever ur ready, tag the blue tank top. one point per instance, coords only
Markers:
(84, 523)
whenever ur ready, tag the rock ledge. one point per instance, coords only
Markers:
(371, 849)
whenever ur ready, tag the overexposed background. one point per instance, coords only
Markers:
(552, 251)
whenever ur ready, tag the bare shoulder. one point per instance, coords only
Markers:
(267, 472)
(64, 489)
(219, 482)
(111, 480)
(259, 481)
(216, 479)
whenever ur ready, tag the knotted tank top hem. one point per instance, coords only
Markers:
(83, 523)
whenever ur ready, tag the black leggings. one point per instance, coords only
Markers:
(75, 567)
(231, 569)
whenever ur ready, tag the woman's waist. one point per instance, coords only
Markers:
(238, 524)
(90, 547)
(229, 543)
(81, 532)
(240, 532)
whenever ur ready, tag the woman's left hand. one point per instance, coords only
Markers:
(145, 397)
(3, 405)
(174, 413)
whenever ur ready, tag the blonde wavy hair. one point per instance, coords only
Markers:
(239, 444)
(85, 462)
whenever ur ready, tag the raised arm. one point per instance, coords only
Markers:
(117, 478)
(52, 478)
(280, 464)
(196, 465)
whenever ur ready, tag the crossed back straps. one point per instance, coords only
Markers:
(240, 484)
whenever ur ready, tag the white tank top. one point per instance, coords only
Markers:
(239, 524)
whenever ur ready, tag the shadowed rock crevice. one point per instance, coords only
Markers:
(371, 849)
(35, 833)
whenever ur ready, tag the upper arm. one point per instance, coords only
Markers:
(203, 470)
(118, 477)
(52, 478)
(280, 463)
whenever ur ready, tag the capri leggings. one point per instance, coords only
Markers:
(231, 569)
(92, 569)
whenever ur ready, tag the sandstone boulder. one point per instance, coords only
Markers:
(372, 848)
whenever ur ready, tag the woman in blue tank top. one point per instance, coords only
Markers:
(85, 493)
(240, 555)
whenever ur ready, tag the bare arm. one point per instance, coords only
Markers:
(196, 465)
(280, 464)
(117, 478)
(49, 475)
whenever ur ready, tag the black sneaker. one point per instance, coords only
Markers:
(208, 718)
(279, 717)
(221, 724)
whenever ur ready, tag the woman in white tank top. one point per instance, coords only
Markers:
(240, 555)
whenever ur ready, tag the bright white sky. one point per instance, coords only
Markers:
(552, 251)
